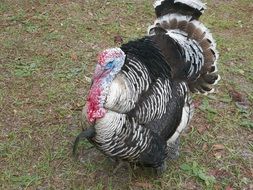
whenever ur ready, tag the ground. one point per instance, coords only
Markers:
(47, 54)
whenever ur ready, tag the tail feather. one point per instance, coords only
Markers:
(87, 134)
(179, 18)
(195, 8)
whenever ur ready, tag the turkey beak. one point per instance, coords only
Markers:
(98, 71)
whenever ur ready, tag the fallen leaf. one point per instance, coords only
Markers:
(87, 79)
(229, 188)
(219, 173)
(239, 99)
(143, 185)
(218, 155)
(251, 172)
(205, 147)
(202, 129)
(250, 187)
(118, 40)
(197, 103)
(218, 150)
(251, 137)
(73, 57)
(217, 187)
(231, 63)
(218, 147)
(236, 96)
(3, 137)
(190, 186)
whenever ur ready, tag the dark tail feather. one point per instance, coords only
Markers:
(87, 134)
(193, 8)
(178, 19)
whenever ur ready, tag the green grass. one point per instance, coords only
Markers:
(47, 55)
(199, 172)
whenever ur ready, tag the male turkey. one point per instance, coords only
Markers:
(139, 101)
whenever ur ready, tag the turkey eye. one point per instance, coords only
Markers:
(109, 65)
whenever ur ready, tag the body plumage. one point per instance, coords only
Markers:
(139, 102)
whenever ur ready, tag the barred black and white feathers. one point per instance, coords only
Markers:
(193, 8)
(139, 102)
(196, 44)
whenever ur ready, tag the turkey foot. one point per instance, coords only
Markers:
(173, 149)
(121, 164)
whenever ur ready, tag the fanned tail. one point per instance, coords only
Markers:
(178, 19)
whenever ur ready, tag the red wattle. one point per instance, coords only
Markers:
(94, 108)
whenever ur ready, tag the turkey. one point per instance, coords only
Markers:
(139, 101)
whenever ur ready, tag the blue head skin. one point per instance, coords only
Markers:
(109, 64)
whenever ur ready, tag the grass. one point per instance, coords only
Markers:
(47, 55)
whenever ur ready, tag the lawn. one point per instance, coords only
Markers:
(48, 51)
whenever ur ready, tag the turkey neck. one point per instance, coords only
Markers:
(99, 91)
